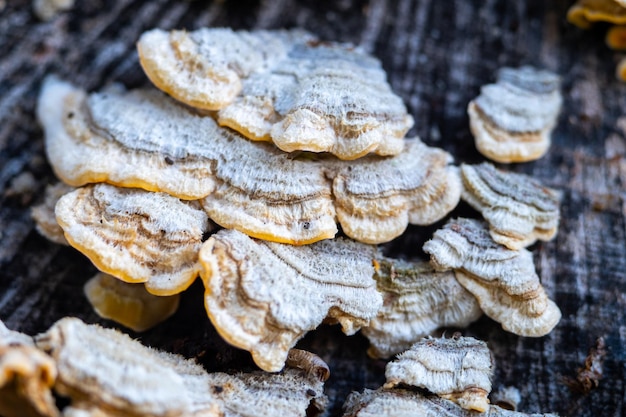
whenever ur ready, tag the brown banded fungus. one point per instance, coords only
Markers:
(458, 369)
(417, 300)
(128, 304)
(504, 281)
(135, 235)
(281, 86)
(144, 139)
(287, 88)
(26, 377)
(376, 198)
(512, 120)
(518, 208)
(120, 139)
(404, 403)
(106, 373)
(264, 296)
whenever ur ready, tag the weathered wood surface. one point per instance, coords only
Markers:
(437, 54)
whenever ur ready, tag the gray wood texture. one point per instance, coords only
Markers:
(437, 54)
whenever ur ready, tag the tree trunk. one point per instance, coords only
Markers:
(437, 55)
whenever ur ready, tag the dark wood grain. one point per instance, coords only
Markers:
(437, 54)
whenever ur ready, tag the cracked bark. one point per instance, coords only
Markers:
(437, 55)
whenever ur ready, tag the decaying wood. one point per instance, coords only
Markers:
(437, 55)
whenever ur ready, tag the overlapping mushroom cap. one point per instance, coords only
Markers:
(283, 86)
(586, 12)
(135, 235)
(616, 37)
(103, 372)
(504, 281)
(264, 296)
(512, 119)
(417, 300)
(458, 369)
(435, 377)
(377, 198)
(273, 276)
(410, 403)
(144, 139)
(517, 207)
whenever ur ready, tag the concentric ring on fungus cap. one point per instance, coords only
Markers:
(512, 120)
(281, 86)
(104, 372)
(135, 235)
(264, 296)
(503, 281)
(144, 139)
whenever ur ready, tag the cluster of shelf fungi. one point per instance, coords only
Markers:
(240, 171)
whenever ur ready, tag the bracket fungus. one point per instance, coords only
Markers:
(518, 208)
(264, 296)
(26, 377)
(512, 119)
(148, 141)
(271, 276)
(456, 373)
(417, 300)
(128, 147)
(405, 403)
(135, 235)
(584, 13)
(281, 86)
(106, 373)
(128, 304)
(144, 139)
(458, 369)
(504, 281)
(376, 198)
(43, 214)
